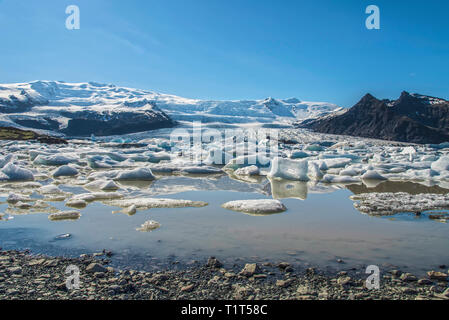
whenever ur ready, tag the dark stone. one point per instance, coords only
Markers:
(213, 262)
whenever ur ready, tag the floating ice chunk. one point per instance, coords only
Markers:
(149, 226)
(23, 205)
(441, 164)
(260, 206)
(258, 160)
(200, 170)
(156, 157)
(50, 189)
(130, 210)
(116, 156)
(34, 153)
(54, 160)
(109, 186)
(296, 154)
(105, 185)
(142, 174)
(314, 172)
(65, 171)
(76, 203)
(103, 175)
(330, 178)
(101, 162)
(148, 203)
(373, 175)
(3, 177)
(408, 150)
(314, 147)
(348, 172)
(248, 171)
(5, 160)
(65, 215)
(289, 169)
(15, 173)
(166, 168)
(334, 163)
(14, 198)
(98, 196)
(392, 203)
(425, 174)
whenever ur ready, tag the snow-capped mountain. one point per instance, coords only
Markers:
(104, 109)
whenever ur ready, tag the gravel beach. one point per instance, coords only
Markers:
(35, 277)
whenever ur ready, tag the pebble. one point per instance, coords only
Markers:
(437, 275)
(95, 267)
(249, 270)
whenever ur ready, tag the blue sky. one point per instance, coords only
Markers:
(233, 49)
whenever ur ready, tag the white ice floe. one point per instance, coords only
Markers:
(148, 203)
(289, 169)
(76, 203)
(373, 175)
(54, 160)
(50, 189)
(200, 170)
(109, 186)
(392, 203)
(296, 154)
(65, 171)
(14, 198)
(259, 160)
(11, 172)
(148, 226)
(98, 196)
(330, 178)
(65, 215)
(142, 174)
(248, 171)
(105, 185)
(6, 159)
(259, 206)
(442, 164)
(130, 210)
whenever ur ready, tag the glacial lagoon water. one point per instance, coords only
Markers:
(317, 229)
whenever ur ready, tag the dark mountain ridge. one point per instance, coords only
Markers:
(411, 118)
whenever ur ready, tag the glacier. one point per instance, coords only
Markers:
(80, 109)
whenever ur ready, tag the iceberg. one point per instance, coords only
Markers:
(65, 171)
(54, 160)
(142, 174)
(260, 206)
(442, 164)
(373, 175)
(65, 215)
(11, 172)
(148, 226)
(392, 203)
(149, 203)
(248, 171)
(289, 169)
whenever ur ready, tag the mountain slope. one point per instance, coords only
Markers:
(84, 108)
(411, 118)
(78, 109)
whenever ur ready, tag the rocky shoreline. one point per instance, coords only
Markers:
(35, 277)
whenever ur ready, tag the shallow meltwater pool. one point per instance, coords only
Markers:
(319, 228)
